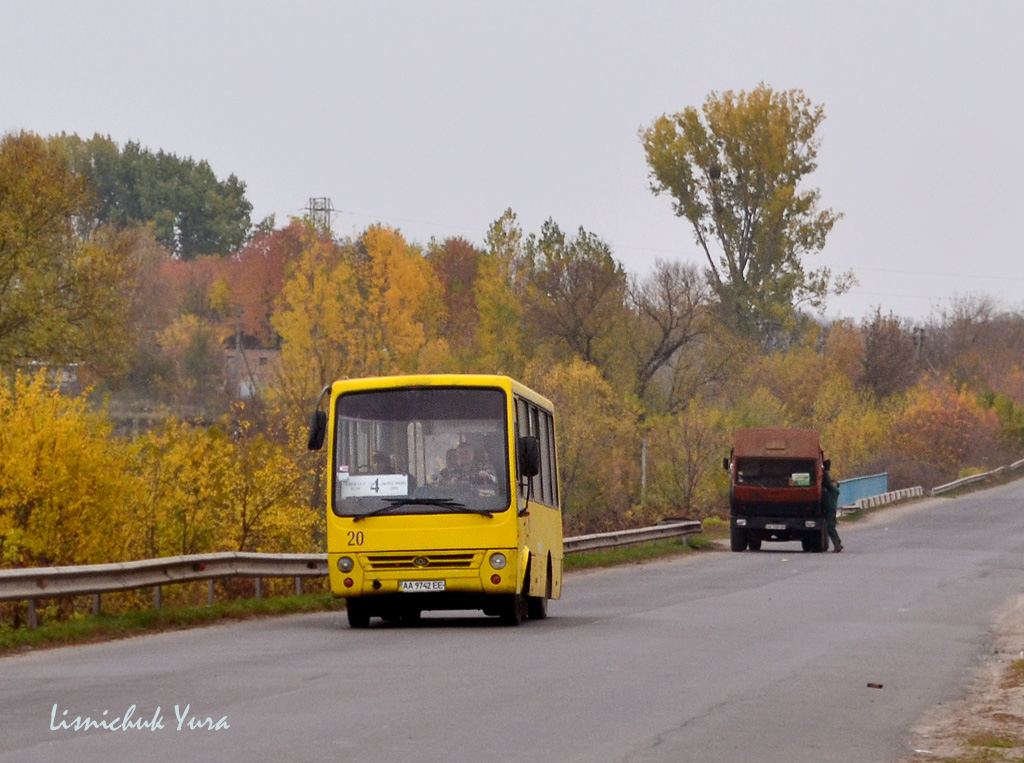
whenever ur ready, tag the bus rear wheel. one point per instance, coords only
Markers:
(513, 610)
(537, 607)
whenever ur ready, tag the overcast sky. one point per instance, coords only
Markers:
(435, 117)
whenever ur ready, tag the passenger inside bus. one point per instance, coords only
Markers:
(468, 465)
(382, 463)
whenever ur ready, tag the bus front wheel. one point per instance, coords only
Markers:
(358, 614)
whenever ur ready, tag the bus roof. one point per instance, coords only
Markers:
(440, 380)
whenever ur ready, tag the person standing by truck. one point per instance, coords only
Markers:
(830, 501)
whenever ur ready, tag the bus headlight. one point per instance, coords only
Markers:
(498, 561)
(345, 564)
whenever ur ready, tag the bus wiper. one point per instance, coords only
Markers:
(447, 503)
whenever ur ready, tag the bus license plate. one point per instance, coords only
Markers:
(420, 586)
(774, 527)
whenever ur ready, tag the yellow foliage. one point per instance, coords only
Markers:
(402, 300)
(758, 409)
(315, 317)
(207, 492)
(346, 314)
(500, 337)
(220, 298)
(854, 430)
(598, 447)
(685, 477)
(65, 497)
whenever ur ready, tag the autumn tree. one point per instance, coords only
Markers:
(502, 344)
(364, 308)
(575, 291)
(939, 431)
(685, 476)
(890, 362)
(61, 295)
(192, 347)
(734, 170)
(315, 316)
(456, 263)
(152, 309)
(599, 453)
(256, 275)
(402, 308)
(974, 341)
(182, 468)
(65, 495)
(668, 312)
(266, 508)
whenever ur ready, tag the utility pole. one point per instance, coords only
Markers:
(319, 211)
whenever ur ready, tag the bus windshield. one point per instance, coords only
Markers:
(423, 450)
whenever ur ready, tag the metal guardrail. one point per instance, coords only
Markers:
(96, 579)
(627, 537)
(886, 498)
(939, 489)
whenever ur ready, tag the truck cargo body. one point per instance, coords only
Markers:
(775, 488)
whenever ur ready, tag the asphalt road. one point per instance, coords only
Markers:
(719, 657)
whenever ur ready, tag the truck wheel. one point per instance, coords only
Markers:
(738, 539)
(754, 544)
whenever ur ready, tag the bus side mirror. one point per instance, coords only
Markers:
(827, 464)
(529, 456)
(725, 464)
(317, 430)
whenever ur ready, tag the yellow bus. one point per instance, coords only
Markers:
(442, 495)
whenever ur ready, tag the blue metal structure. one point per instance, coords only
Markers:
(862, 487)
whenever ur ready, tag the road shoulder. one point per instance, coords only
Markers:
(987, 723)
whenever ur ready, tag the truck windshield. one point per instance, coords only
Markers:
(424, 450)
(775, 472)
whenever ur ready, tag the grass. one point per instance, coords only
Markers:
(105, 627)
(1014, 675)
(640, 552)
(992, 741)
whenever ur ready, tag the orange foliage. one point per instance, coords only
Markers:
(942, 429)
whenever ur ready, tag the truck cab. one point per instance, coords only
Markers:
(775, 488)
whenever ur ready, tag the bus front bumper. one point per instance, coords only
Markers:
(429, 574)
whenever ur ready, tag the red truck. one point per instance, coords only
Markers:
(775, 488)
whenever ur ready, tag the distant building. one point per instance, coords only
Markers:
(250, 371)
(66, 377)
